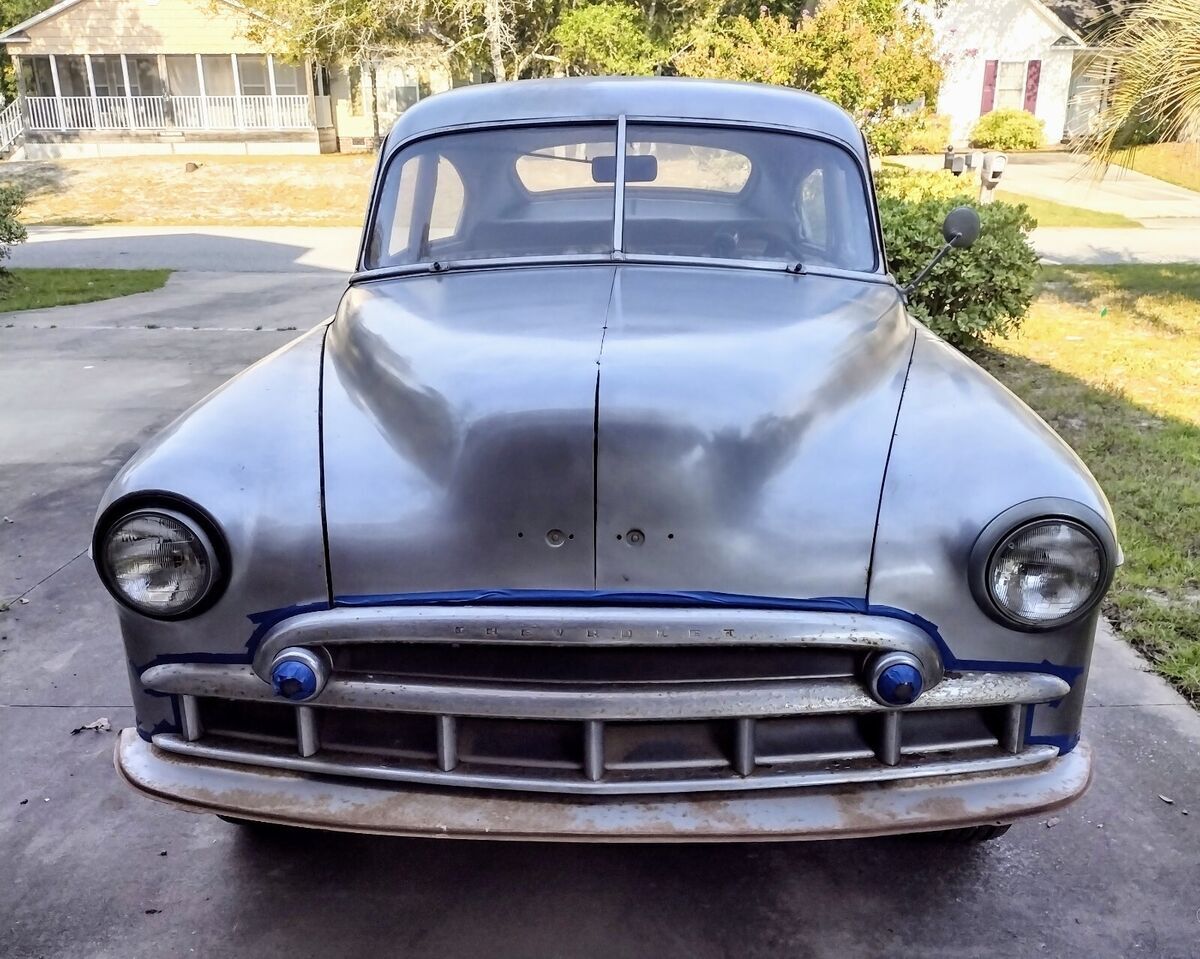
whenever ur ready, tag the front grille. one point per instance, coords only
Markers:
(622, 701)
(617, 756)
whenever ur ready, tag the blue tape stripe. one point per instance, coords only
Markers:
(591, 597)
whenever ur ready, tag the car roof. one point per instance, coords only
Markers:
(577, 98)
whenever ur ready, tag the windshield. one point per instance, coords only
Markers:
(693, 191)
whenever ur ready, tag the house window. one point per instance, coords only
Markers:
(320, 80)
(1010, 85)
(218, 75)
(36, 76)
(72, 76)
(181, 75)
(289, 80)
(252, 71)
(106, 71)
(144, 80)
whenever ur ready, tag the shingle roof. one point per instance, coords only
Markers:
(1089, 18)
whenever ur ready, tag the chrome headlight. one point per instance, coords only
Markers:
(158, 562)
(1044, 572)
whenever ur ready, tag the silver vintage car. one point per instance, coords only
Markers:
(621, 499)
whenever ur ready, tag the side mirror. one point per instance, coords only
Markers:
(961, 227)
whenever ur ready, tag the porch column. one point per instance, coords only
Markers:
(311, 91)
(237, 93)
(58, 107)
(22, 93)
(168, 105)
(128, 95)
(271, 89)
(203, 95)
(87, 66)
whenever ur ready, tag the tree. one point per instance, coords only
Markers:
(868, 56)
(1158, 79)
(607, 38)
(334, 31)
(13, 12)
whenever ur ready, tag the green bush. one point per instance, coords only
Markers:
(972, 294)
(896, 135)
(1008, 130)
(12, 198)
(895, 182)
(930, 134)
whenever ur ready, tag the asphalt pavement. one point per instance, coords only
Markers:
(287, 249)
(93, 871)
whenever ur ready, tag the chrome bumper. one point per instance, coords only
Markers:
(815, 812)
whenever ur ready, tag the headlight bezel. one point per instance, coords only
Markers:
(1003, 528)
(195, 519)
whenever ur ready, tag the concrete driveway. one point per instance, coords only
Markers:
(1065, 178)
(92, 871)
(320, 249)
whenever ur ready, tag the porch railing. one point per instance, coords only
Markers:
(285, 112)
(11, 126)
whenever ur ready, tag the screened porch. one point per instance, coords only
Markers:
(157, 92)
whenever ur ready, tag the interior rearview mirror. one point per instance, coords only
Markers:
(639, 168)
(961, 227)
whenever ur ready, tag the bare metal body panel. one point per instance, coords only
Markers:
(744, 423)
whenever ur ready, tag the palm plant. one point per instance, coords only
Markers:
(1158, 83)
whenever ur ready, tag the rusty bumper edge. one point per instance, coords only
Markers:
(875, 809)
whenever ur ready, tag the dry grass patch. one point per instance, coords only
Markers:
(329, 190)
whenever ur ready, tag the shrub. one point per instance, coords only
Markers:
(930, 134)
(1008, 130)
(12, 198)
(895, 135)
(972, 294)
(895, 182)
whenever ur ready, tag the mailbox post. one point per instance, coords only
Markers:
(994, 164)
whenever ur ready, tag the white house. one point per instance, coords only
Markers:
(1034, 55)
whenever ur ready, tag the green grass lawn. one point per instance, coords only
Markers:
(1049, 213)
(35, 289)
(1177, 163)
(1110, 356)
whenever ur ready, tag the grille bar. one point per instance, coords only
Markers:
(629, 701)
(263, 754)
(593, 750)
(447, 743)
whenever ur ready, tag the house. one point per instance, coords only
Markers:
(1041, 56)
(115, 77)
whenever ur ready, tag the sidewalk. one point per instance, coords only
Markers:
(1065, 178)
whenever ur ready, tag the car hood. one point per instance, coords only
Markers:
(631, 428)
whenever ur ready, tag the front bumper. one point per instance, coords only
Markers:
(817, 812)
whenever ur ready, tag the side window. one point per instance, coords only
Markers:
(810, 208)
(446, 208)
(447, 202)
